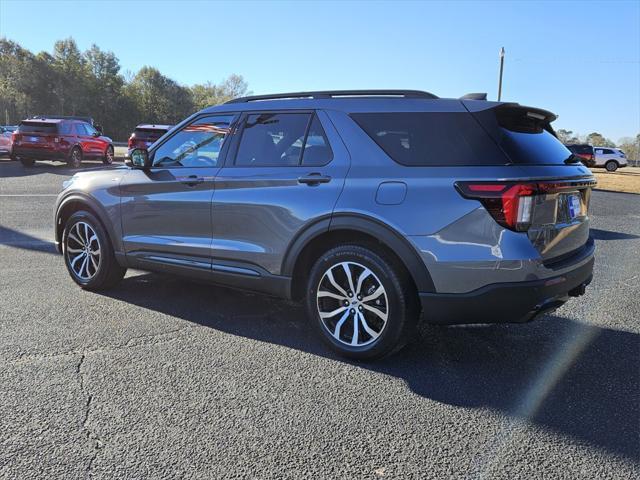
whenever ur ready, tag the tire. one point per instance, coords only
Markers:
(611, 166)
(390, 316)
(27, 162)
(88, 253)
(108, 156)
(75, 158)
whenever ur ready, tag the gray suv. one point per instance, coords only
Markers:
(376, 208)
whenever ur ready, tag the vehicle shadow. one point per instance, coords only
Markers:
(14, 238)
(10, 168)
(598, 234)
(576, 379)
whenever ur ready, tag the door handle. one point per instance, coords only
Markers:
(191, 180)
(314, 179)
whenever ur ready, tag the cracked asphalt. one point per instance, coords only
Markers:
(165, 378)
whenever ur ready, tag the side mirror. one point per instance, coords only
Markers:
(98, 127)
(96, 134)
(139, 159)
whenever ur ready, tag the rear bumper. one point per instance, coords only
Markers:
(37, 153)
(507, 302)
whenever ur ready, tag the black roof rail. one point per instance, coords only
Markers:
(474, 96)
(337, 93)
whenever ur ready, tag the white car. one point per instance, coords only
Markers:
(609, 158)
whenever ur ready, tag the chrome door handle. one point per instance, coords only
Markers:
(314, 179)
(191, 180)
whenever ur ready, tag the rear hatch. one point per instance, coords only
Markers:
(144, 137)
(547, 191)
(36, 135)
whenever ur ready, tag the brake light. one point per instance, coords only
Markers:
(510, 204)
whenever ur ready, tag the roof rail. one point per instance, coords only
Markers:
(474, 96)
(337, 93)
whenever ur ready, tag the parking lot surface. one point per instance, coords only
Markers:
(166, 378)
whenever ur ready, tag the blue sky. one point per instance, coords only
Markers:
(578, 59)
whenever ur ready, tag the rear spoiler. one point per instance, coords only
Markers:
(512, 116)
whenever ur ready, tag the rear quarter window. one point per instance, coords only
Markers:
(431, 138)
(38, 127)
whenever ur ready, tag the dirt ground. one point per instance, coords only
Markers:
(623, 180)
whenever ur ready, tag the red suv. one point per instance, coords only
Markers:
(59, 139)
(144, 135)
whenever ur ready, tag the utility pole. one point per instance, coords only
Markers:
(501, 68)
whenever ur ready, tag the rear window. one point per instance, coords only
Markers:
(584, 149)
(37, 127)
(524, 135)
(146, 133)
(431, 138)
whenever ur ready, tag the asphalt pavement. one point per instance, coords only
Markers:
(165, 378)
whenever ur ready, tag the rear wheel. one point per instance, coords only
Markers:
(362, 306)
(108, 156)
(611, 166)
(88, 253)
(75, 158)
(27, 162)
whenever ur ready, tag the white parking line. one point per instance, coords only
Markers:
(28, 194)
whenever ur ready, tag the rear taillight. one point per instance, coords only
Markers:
(511, 203)
(131, 140)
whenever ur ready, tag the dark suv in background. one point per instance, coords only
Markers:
(66, 140)
(372, 207)
(585, 152)
(145, 134)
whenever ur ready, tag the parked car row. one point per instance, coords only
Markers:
(68, 138)
(607, 157)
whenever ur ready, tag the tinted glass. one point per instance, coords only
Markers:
(89, 129)
(64, 128)
(584, 149)
(522, 134)
(149, 134)
(431, 138)
(316, 149)
(606, 151)
(272, 139)
(37, 127)
(196, 145)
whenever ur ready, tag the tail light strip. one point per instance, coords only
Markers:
(511, 203)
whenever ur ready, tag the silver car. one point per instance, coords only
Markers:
(375, 208)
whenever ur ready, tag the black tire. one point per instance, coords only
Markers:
(611, 166)
(108, 156)
(27, 162)
(400, 303)
(108, 272)
(75, 158)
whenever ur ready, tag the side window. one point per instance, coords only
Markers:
(79, 128)
(317, 151)
(196, 145)
(607, 151)
(272, 139)
(64, 128)
(599, 152)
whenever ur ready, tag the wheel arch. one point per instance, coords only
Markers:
(327, 233)
(78, 201)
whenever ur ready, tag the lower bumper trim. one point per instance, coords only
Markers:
(506, 302)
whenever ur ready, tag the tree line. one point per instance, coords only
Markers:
(629, 145)
(68, 81)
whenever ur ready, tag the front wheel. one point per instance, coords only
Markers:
(88, 253)
(611, 166)
(361, 304)
(108, 156)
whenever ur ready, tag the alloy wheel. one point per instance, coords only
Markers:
(352, 304)
(82, 250)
